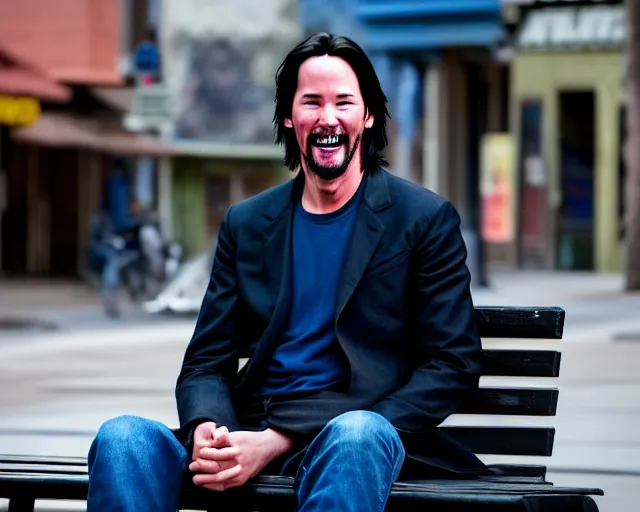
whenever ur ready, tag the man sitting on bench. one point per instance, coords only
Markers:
(348, 289)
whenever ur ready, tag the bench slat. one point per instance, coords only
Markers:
(522, 363)
(520, 322)
(42, 467)
(526, 470)
(278, 493)
(534, 441)
(512, 402)
(49, 459)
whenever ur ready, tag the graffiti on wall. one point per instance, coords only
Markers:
(222, 60)
(218, 100)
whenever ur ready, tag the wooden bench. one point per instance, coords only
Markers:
(513, 487)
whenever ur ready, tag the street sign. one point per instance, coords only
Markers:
(151, 101)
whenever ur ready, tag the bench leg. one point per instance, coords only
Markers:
(22, 505)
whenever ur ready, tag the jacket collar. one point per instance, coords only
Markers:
(375, 195)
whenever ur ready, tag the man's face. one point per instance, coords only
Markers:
(328, 116)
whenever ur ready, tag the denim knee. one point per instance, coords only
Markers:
(133, 434)
(364, 429)
(357, 423)
(127, 430)
(135, 464)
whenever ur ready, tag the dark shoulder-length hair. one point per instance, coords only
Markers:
(374, 139)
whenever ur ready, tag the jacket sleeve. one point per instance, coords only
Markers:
(203, 390)
(447, 344)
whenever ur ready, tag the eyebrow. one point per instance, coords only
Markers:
(313, 96)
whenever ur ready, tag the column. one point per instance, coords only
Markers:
(434, 135)
(165, 196)
(408, 87)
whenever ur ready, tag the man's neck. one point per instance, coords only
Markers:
(320, 196)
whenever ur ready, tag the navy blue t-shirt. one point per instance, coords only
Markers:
(310, 357)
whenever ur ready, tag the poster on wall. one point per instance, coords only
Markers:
(221, 62)
(498, 188)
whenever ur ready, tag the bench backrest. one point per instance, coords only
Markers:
(514, 322)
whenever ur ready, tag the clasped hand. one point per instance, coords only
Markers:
(223, 459)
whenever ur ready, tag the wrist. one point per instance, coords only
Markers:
(279, 442)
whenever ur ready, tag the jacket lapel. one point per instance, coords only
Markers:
(276, 258)
(367, 233)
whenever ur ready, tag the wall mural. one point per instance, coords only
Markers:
(222, 59)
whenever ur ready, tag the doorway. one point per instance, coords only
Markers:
(575, 237)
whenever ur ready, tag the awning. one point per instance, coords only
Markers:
(18, 78)
(404, 25)
(117, 98)
(65, 130)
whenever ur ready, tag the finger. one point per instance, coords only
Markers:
(204, 466)
(205, 433)
(197, 448)
(202, 444)
(221, 437)
(198, 466)
(226, 453)
(236, 482)
(215, 487)
(216, 478)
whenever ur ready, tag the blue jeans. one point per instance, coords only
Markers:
(138, 465)
(110, 274)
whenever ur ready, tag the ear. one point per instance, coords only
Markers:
(288, 123)
(368, 121)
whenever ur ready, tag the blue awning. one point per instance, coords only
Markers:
(387, 10)
(419, 37)
(429, 24)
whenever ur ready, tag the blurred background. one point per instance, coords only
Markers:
(128, 127)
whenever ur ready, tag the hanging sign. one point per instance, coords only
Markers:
(497, 188)
(573, 27)
(18, 111)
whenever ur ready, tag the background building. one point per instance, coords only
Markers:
(58, 166)
(219, 60)
(438, 63)
(569, 124)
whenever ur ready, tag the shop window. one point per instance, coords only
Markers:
(575, 217)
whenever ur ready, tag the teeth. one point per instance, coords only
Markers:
(328, 140)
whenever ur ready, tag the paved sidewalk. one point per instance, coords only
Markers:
(65, 383)
(589, 300)
(596, 306)
(33, 312)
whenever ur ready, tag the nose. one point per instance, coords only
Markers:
(328, 116)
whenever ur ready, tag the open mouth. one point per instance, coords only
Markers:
(328, 141)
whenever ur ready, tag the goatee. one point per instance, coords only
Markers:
(330, 172)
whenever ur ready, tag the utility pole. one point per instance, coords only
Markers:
(632, 186)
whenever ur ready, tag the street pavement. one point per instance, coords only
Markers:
(60, 384)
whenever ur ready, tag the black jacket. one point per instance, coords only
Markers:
(404, 318)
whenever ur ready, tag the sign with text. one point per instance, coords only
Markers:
(497, 188)
(18, 111)
(573, 27)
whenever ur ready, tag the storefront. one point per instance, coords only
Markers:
(567, 119)
(205, 185)
(22, 88)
